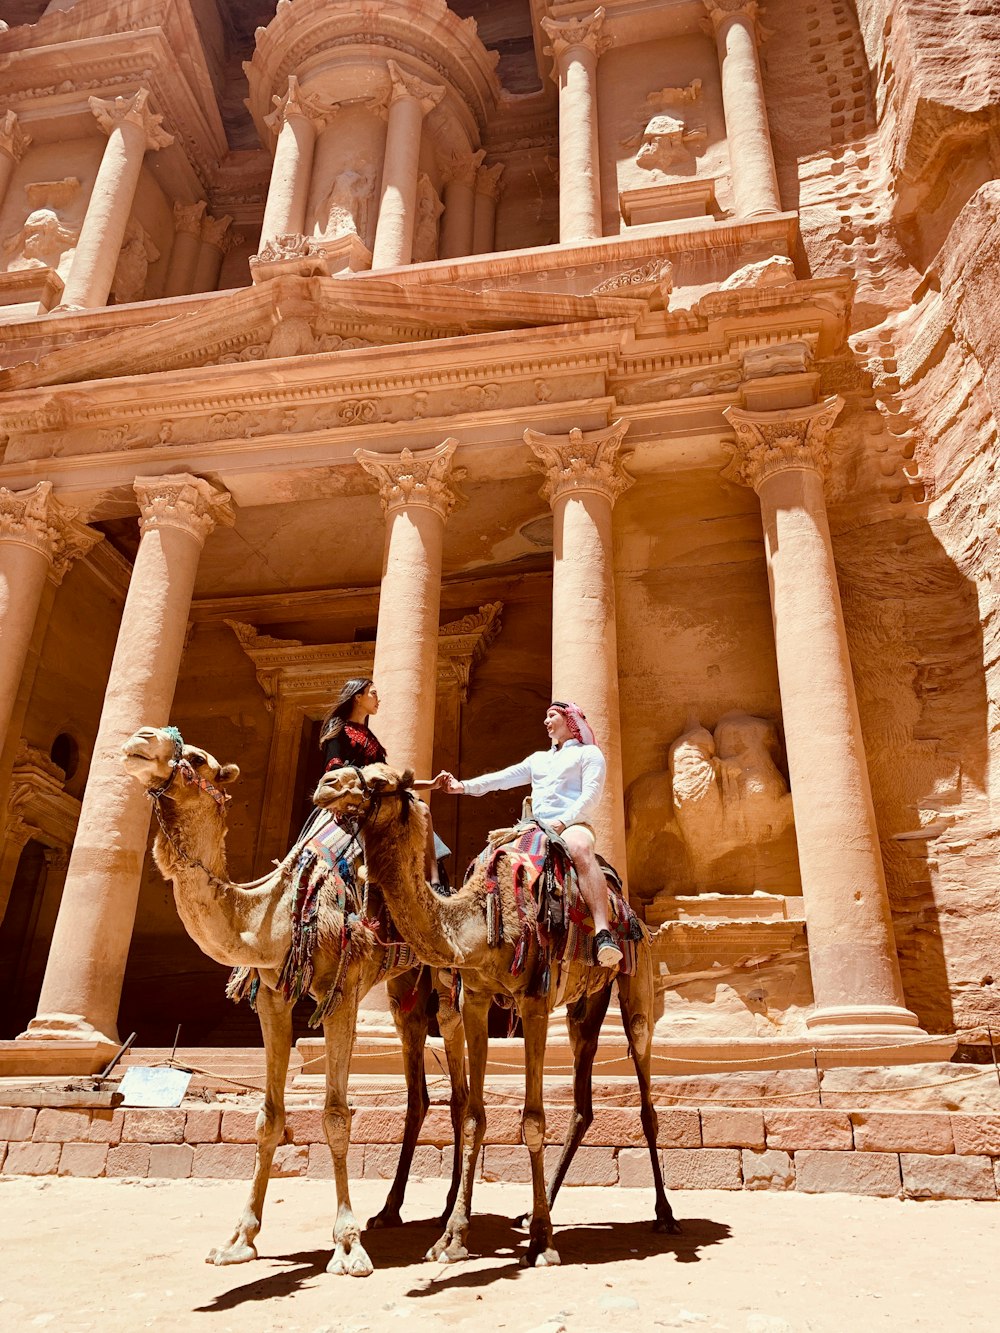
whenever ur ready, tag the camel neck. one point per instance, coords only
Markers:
(394, 855)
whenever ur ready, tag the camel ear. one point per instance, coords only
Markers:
(227, 773)
(406, 779)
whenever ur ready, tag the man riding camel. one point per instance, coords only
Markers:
(566, 784)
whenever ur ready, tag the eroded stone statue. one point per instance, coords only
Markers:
(425, 232)
(345, 209)
(45, 236)
(722, 807)
(137, 253)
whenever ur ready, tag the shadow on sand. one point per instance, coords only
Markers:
(491, 1235)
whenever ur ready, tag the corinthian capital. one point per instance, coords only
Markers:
(132, 110)
(720, 10)
(297, 103)
(488, 180)
(187, 217)
(214, 231)
(582, 461)
(190, 503)
(35, 518)
(463, 167)
(586, 31)
(13, 140)
(405, 84)
(771, 442)
(426, 478)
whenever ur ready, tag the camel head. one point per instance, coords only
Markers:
(158, 758)
(366, 796)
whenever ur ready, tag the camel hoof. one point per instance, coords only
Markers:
(542, 1259)
(388, 1217)
(350, 1263)
(239, 1252)
(447, 1251)
(667, 1226)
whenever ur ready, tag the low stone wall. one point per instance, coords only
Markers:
(913, 1154)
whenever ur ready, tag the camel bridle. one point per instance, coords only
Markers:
(183, 766)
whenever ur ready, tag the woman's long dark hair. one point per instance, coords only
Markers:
(334, 721)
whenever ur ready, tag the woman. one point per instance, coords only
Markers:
(347, 741)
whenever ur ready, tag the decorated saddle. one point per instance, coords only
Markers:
(324, 874)
(551, 911)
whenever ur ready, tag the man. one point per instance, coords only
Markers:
(566, 784)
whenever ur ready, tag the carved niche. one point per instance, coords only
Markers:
(669, 141)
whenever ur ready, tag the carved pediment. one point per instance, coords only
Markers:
(300, 316)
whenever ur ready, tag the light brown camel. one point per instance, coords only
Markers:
(250, 926)
(452, 932)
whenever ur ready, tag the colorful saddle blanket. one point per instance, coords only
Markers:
(327, 861)
(551, 909)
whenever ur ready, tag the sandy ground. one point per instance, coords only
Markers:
(113, 1255)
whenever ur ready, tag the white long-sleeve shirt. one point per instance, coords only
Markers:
(566, 784)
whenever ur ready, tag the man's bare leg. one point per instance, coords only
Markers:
(594, 887)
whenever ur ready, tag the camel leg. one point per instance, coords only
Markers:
(276, 1026)
(635, 997)
(411, 1025)
(349, 1257)
(453, 1036)
(535, 1023)
(584, 1022)
(451, 1247)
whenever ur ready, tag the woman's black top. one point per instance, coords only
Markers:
(355, 745)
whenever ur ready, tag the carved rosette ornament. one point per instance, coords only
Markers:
(35, 518)
(771, 442)
(426, 478)
(13, 140)
(189, 503)
(582, 461)
(118, 111)
(405, 84)
(567, 34)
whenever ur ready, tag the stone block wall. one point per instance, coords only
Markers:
(907, 1154)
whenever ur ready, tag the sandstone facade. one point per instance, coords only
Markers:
(640, 353)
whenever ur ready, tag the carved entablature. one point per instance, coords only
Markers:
(309, 675)
(768, 443)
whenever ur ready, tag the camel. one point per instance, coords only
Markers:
(452, 932)
(249, 926)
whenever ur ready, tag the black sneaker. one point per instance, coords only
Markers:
(607, 951)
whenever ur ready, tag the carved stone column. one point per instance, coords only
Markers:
(459, 205)
(411, 100)
(216, 239)
(852, 953)
(418, 493)
(187, 248)
(132, 129)
(13, 142)
(577, 44)
(584, 476)
(296, 120)
(751, 158)
(39, 540)
(90, 944)
(485, 216)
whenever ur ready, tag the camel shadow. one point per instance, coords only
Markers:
(590, 1243)
(307, 1264)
